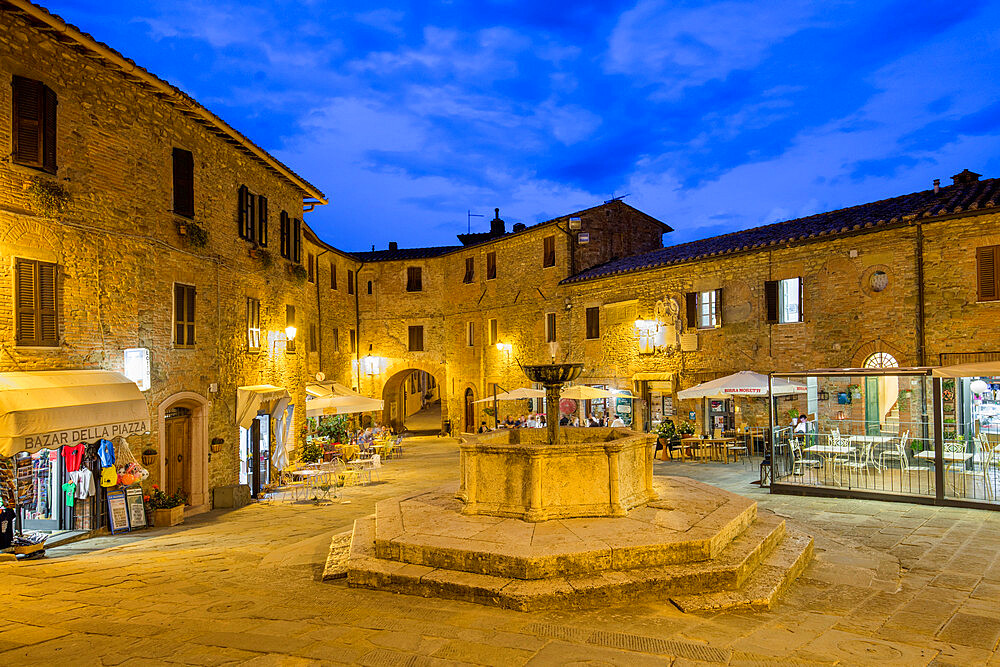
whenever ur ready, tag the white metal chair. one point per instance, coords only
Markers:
(799, 462)
(982, 464)
(860, 461)
(899, 452)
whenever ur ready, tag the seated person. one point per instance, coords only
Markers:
(483, 428)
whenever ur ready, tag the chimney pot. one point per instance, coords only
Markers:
(393, 245)
(937, 185)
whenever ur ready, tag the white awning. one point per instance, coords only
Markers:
(519, 394)
(250, 401)
(47, 409)
(342, 405)
(743, 383)
(321, 389)
(974, 369)
(582, 392)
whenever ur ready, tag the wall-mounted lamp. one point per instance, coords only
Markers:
(823, 395)
(370, 364)
(505, 347)
(290, 332)
(646, 325)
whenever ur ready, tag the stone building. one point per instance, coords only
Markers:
(131, 217)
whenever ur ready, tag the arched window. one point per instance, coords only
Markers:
(881, 360)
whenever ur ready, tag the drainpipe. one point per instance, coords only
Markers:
(319, 312)
(921, 338)
(357, 321)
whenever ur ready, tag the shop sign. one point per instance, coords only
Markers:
(137, 366)
(668, 406)
(89, 434)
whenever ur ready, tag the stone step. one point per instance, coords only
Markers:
(730, 576)
(765, 583)
(427, 529)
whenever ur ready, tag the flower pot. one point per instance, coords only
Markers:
(148, 459)
(168, 517)
(216, 448)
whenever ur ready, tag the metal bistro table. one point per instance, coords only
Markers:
(828, 453)
(948, 457)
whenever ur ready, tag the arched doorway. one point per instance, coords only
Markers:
(470, 411)
(183, 433)
(881, 396)
(412, 401)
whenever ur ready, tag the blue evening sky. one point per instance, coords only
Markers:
(711, 116)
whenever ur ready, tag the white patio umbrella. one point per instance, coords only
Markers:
(514, 395)
(582, 392)
(342, 405)
(743, 383)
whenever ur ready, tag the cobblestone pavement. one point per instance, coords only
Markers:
(892, 584)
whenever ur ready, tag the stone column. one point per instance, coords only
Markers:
(552, 412)
(613, 452)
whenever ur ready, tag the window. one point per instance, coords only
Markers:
(470, 270)
(350, 281)
(416, 339)
(183, 183)
(783, 300)
(369, 287)
(593, 323)
(289, 322)
(704, 309)
(35, 303)
(491, 266)
(34, 131)
(333, 276)
(354, 341)
(311, 268)
(184, 297)
(246, 208)
(550, 327)
(296, 240)
(470, 334)
(414, 279)
(253, 324)
(262, 221)
(286, 235)
(549, 251)
(881, 360)
(312, 337)
(494, 332)
(987, 275)
(335, 335)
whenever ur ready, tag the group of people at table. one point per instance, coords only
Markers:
(534, 420)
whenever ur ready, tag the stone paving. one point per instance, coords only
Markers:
(892, 584)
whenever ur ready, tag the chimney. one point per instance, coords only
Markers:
(965, 177)
(496, 225)
(937, 185)
(393, 245)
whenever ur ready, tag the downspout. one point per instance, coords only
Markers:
(357, 321)
(921, 338)
(319, 312)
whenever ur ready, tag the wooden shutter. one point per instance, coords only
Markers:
(549, 251)
(771, 301)
(550, 327)
(718, 307)
(333, 276)
(28, 106)
(241, 210)
(491, 265)
(262, 221)
(593, 322)
(312, 337)
(691, 303)
(286, 235)
(183, 182)
(250, 217)
(48, 322)
(296, 240)
(470, 269)
(416, 339)
(350, 281)
(414, 279)
(987, 274)
(336, 339)
(494, 332)
(801, 301)
(24, 301)
(49, 130)
(311, 267)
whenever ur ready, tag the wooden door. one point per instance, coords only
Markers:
(470, 412)
(178, 439)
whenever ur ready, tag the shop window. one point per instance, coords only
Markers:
(333, 276)
(350, 281)
(34, 126)
(470, 270)
(494, 332)
(253, 324)
(285, 233)
(987, 274)
(549, 251)
(414, 279)
(416, 339)
(36, 303)
(783, 300)
(289, 326)
(550, 327)
(593, 323)
(183, 173)
(184, 299)
(470, 334)
(491, 266)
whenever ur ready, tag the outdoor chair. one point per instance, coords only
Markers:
(860, 461)
(349, 476)
(899, 452)
(738, 451)
(982, 465)
(320, 486)
(800, 462)
(288, 484)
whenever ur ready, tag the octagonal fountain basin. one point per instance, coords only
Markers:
(590, 472)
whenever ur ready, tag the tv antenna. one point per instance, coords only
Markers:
(472, 215)
(618, 198)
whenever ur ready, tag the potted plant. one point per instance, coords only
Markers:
(166, 510)
(148, 456)
(46, 196)
(667, 437)
(298, 273)
(216, 445)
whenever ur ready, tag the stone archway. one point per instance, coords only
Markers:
(193, 448)
(393, 396)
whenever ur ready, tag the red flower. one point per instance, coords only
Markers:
(145, 499)
(156, 488)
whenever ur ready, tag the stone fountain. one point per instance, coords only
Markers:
(572, 518)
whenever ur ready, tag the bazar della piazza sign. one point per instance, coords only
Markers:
(87, 434)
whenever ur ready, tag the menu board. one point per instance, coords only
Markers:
(136, 510)
(117, 512)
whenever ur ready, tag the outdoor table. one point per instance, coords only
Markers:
(874, 441)
(948, 457)
(827, 453)
(305, 472)
(348, 452)
(718, 446)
